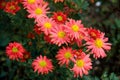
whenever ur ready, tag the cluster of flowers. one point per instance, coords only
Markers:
(62, 31)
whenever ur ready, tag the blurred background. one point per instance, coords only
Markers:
(100, 14)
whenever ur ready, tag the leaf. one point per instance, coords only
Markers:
(117, 21)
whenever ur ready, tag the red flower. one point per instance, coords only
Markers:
(26, 55)
(12, 7)
(37, 29)
(2, 4)
(59, 17)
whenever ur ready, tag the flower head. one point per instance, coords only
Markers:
(58, 1)
(12, 7)
(82, 66)
(42, 64)
(58, 35)
(46, 25)
(98, 45)
(37, 29)
(74, 28)
(59, 17)
(38, 11)
(2, 4)
(64, 55)
(15, 51)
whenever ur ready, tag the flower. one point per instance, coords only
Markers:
(2, 4)
(74, 28)
(58, 1)
(15, 51)
(93, 33)
(64, 55)
(98, 45)
(38, 11)
(12, 7)
(28, 3)
(58, 35)
(37, 29)
(26, 55)
(42, 64)
(59, 17)
(46, 25)
(82, 66)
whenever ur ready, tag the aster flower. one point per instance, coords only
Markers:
(26, 55)
(58, 1)
(42, 64)
(59, 17)
(64, 55)
(38, 11)
(93, 33)
(46, 25)
(98, 45)
(12, 7)
(47, 39)
(28, 3)
(37, 29)
(2, 4)
(15, 51)
(74, 28)
(58, 35)
(82, 65)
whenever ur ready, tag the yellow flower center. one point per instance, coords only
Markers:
(38, 11)
(98, 43)
(67, 55)
(31, 1)
(12, 7)
(59, 18)
(3, 4)
(14, 50)
(80, 63)
(47, 25)
(61, 34)
(75, 28)
(42, 63)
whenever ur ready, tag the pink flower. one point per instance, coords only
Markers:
(82, 66)
(74, 28)
(58, 35)
(15, 51)
(98, 46)
(38, 11)
(42, 64)
(46, 25)
(28, 3)
(64, 55)
(58, 1)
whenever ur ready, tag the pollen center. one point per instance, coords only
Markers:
(67, 55)
(80, 63)
(12, 7)
(14, 50)
(98, 43)
(75, 28)
(47, 25)
(59, 18)
(38, 11)
(42, 63)
(31, 1)
(3, 4)
(61, 34)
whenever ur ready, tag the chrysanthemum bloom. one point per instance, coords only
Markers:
(47, 39)
(59, 17)
(2, 4)
(58, 1)
(26, 55)
(64, 55)
(98, 45)
(31, 35)
(93, 33)
(74, 28)
(37, 29)
(29, 3)
(46, 25)
(15, 51)
(82, 66)
(42, 64)
(12, 7)
(59, 36)
(38, 11)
